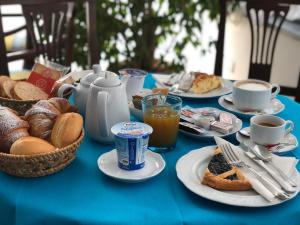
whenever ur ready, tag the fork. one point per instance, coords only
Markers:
(234, 160)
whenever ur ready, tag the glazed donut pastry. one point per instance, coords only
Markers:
(67, 129)
(220, 175)
(12, 128)
(31, 146)
(42, 116)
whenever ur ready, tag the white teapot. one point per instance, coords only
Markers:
(106, 105)
(81, 91)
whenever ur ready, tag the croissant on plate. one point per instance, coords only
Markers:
(42, 116)
(12, 127)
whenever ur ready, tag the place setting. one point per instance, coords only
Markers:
(269, 134)
(194, 85)
(230, 175)
(252, 97)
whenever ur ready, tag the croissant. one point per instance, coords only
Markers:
(42, 116)
(12, 128)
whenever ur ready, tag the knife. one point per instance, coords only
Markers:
(284, 184)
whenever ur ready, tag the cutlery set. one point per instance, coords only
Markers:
(280, 186)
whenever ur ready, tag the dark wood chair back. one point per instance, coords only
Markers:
(29, 53)
(262, 15)
(262, 42)
(50, 26)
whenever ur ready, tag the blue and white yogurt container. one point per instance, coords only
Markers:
(131, 139)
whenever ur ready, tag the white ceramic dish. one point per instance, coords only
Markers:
(108, 164)
(290, 138)
(275, 107)
(190, 169)
(237, 125)
(226, 88)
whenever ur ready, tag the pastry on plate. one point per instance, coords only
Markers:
(204, 83)
(222, 176)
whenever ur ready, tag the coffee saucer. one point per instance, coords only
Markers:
(108, 164)
(288, 144)
(275, 107)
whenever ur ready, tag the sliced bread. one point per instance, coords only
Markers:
(26, 91)
(2, 79)
(7, 86)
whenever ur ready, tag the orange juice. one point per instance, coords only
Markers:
(164, 121)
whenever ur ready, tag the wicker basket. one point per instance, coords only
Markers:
(40, 164)
(21, 106)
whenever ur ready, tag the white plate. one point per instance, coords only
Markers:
(290, 138)
(237, 125)
(275, 107)
(108, 164)
(226, 88)
(190, 169)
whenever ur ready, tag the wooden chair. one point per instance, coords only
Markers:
(261, 14)
(51, 26)
(59, 50)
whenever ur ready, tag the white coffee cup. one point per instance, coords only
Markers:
(269, 129)
(251, 95)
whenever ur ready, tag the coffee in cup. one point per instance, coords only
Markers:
(269, 129)
(251, 95)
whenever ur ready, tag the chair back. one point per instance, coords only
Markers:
(263, 15)
(50, 26)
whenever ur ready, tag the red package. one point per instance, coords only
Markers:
(44, 77)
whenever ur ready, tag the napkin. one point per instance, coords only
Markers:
(286, 164)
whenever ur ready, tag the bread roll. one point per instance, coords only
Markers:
(26, 91)
(42, 116)
(31, 146)
(67, 129)
(12, 128)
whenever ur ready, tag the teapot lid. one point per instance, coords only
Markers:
(107, 79)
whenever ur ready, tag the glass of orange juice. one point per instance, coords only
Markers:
(162, 113)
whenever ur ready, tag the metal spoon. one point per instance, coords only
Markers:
(245, 132)
(266, 156)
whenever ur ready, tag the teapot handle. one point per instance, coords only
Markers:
(63, 88)
(102, 99)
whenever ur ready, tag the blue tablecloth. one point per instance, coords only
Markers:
(81, 194)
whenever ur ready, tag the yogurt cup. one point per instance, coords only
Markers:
(131, 139)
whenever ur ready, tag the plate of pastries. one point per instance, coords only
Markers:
(42, 141)
(206, 172)
(194, 84)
